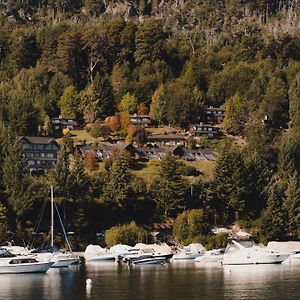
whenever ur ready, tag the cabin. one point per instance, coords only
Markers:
(194, 154)
(166, 140)
(106, 150)
(212, 115)
(40, 153)
(140, 120)
(201, 129)
(149, 153)
(61, 123)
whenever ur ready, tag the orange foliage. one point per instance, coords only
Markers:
(125, 120)
(90, 162)
(142, 109)
(113, 123)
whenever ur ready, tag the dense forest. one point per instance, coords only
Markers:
(173, 57)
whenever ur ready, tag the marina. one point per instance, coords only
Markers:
(187, 280)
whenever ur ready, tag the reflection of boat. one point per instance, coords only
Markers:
(238, 254)
(212, 256)
(189, 252)
(10, 263)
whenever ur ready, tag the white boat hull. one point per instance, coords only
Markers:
(209, 259)
(253, 259)
(39, 267)
(185, 256)
(65, 262)
(104, 257)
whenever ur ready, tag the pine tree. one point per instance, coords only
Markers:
(273, 225)
(117, 187)
(231, 186)
(292, 206)
(170, 189)
(15, 177)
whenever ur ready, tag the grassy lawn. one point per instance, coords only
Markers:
(148, 173)
(81, 135)
(206, 167)
(163, 130)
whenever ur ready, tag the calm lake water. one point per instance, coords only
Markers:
(171, 281)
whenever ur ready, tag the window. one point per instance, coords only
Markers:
(50, 155)
(31, 162)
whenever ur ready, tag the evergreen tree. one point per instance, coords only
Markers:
(117, 187)
(15, 177)
(292, 206)
(231, 185)
(273, 225)
(170, 189)
(101, 102)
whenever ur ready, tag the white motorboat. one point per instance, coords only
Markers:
(54, 255)
(295, 255)
(12, 264)
(149, 260)
(96, 253)
(144, 255)
(189, 252)
(238, 254)
(212, 256)
(292, 247)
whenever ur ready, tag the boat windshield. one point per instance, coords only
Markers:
(5, 253)
(49, 249)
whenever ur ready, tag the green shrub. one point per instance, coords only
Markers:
(129, 234)
(190, 225)
(96, 130)
(154, 162)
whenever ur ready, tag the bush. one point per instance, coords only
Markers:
(96, 130)
(128, 234)
(154, 162)
(190, 225)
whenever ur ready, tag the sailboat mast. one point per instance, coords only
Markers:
(52, 216)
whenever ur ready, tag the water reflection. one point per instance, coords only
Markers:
(171, 281)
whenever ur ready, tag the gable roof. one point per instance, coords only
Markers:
(38, 139)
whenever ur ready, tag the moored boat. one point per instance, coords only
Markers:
(12, 264)
(189, 252)
(212, 256)
(238, 254)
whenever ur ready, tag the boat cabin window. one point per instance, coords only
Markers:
(22, 261)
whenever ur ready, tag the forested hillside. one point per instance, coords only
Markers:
(175, 57)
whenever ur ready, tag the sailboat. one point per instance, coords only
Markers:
(52, 253)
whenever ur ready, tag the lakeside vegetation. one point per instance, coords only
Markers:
(92, 59)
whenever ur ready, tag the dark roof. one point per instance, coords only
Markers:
(38, 139)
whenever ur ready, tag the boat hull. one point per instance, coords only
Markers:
(40, 267)
(255, 259)
(64, 263)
